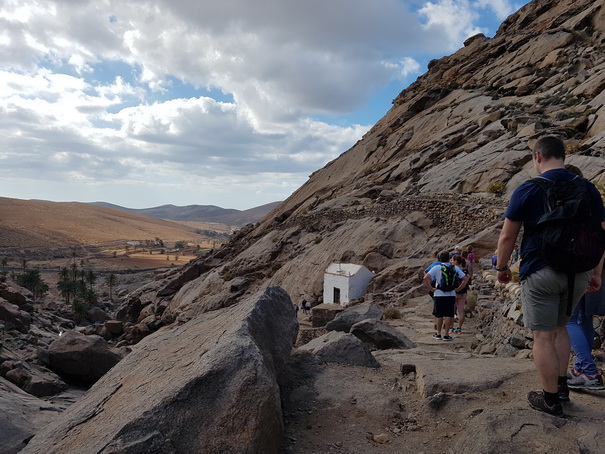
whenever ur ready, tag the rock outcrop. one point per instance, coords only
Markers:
(209, 385)
(81, 359)
(341, 348)
(21, 417)
(354, 314)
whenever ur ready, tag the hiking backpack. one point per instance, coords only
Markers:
(449, 278)
(568, 235)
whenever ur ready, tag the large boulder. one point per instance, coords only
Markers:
(341, 348)
(15, 294)
(13, 316)
(81, 359)
(354, 314)
(21, 417)
(32, 379)
(207, 386)
(380, 335)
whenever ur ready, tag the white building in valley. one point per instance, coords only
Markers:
(344, 282)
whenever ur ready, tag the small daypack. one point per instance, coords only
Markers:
(449, 278)
(568, 235)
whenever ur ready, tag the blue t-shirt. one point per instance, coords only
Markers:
(527, 205)
(428, 268)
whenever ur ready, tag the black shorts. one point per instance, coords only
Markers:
(444, 306)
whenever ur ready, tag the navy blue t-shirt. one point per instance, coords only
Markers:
(527, 205)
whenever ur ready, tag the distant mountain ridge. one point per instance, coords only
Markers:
(200, 213)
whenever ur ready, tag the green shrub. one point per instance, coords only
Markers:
(497, 188)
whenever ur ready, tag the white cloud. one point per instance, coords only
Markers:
(116, 94)
(454, 18)
(502, 8)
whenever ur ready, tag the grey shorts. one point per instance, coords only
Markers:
(544, 295)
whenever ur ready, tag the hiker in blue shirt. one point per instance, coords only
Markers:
(444, 299)
(545, 290)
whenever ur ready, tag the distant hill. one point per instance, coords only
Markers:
(200, 213)
(36, 223)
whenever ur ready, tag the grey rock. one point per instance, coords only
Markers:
(341, 348)
(81, 359)
(11, 314)
(380, 334)
(97, 315)
(346, 319)
(21, 417)
(209, 385)
(15, 294)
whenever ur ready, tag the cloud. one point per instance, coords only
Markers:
(453, 18)
(502, 8)
(184, 94)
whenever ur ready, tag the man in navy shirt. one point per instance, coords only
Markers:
(544, 290)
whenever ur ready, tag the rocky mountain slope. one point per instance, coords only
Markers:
(428, 174)
(434, 172)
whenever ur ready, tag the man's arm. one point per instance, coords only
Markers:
(506, 243)
(427, 281)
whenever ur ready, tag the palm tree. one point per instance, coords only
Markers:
(111, 281)
(66, 288)
(91, 278)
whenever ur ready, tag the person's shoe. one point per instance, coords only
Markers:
(563, 393)
(447, 338)
(437, 336)
(535, 399)
(572, 373)
(451, 331)
(458, 331)
(585, 381)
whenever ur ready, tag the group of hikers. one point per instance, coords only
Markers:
(560, 270)
(448, 280)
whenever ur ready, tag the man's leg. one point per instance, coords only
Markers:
(449, 323)
(551, 355)
(438, 325)
(563, 347)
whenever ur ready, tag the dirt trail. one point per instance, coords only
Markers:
(450, 394)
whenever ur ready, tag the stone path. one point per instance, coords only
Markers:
(439, 397)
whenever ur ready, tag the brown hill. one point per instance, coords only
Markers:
(202, 213)
(39, 224)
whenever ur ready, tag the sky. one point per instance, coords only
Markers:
(232, 103)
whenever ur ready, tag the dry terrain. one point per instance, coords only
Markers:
(437, 398)
(29, 224)
(51, 235)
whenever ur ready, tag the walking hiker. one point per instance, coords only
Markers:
(584, 373)
(461, 294)
(551, 272)
(448, 278)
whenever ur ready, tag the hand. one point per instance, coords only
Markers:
(505, 276)
(594, 284)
